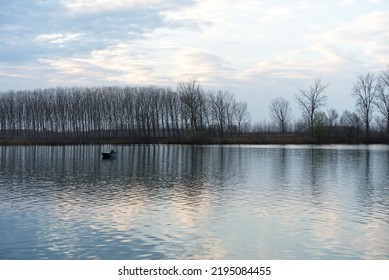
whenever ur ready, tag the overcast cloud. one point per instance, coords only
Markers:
(258, 50)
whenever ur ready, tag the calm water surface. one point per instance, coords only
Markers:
(194, 202)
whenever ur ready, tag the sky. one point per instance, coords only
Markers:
(257, 50)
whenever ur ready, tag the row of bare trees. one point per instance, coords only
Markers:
(371, 94)
(310, 101)
(156, 112)
(127, 112)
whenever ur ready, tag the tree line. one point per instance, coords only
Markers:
(121, 112)
(146, 114)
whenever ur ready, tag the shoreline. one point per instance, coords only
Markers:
(245, 140)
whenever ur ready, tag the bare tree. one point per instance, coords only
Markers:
(364, 91)
(220, 107)
(280, 113)
(110, 112)
(242, 116)
(351, 123)
(332, 117)
(382, 97)
(173, 109)
(310, 100)
(189, 93)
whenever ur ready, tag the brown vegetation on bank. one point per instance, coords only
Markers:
(202, 139)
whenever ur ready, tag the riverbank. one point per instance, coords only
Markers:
(193, 140)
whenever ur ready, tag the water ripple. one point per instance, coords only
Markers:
(206, 202)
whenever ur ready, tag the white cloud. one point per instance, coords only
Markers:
(208, 67)
(366, 37)
(352, 2)
(224, 36)
(26, 76)
(121, 63)
(230, 19)
(58, 38)
(13, 71)
(100, 6)
(347, 2)
(160, 58)
(362, 42)
(136, 63)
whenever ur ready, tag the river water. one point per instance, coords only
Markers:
(194, 202)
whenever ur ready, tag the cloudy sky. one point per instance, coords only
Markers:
(258, 50)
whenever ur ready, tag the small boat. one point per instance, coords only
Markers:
(110, 155)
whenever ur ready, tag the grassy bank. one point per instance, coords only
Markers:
(192, 140)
